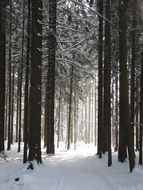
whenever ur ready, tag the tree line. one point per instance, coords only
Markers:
(71, 71)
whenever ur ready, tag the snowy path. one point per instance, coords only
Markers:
(72, 170)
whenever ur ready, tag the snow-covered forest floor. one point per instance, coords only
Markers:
(68, 170)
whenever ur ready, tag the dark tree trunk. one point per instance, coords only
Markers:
(35, 82)
(100, 80)
(123, 96)
(51, 76)
(2, 72)
(125, 137)
(17, 108)
(107, 91)
(26, 95)
(9, 81)
(116, 119)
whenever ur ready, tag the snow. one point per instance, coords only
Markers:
(68, 170)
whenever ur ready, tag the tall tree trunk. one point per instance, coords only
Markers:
(86, 120)
(9, 81)
(6, 109)
(141, 111)
(12, 102)
(35, 81)
(2, 72)
(100, 80)
(26, 95)
(116, 111)
(137, 113)
(70, 109)
(21, 77)
(51, 76)
(132, 101)
(125, 137)
(75, 119)
(45, 124)
(92, 115)
(89, 116)
(107, 91)
(95, 127)
(59, 120)
(17, 108)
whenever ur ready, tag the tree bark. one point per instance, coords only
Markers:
(51, 76)
(100, 80)
(35, 82)
(2, 72)
(125, 137)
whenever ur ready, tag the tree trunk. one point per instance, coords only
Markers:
(70, 110)
(137, 113)
(141, 111)
(9, 82)
(107, 91)
(116, 111)
(51, 76)
(12, 103)
(133, 62)
(21, 77)
(125, 137)
(2, 72)
(100, 80)
(59, 120)
(89, 116)
(86, 120)
(17, 108)
(35, 81)
(26, 95)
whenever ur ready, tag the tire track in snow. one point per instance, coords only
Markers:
(101, 176)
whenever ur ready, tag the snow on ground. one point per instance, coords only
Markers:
(68, 170)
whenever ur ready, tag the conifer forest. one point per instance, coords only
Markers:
(71, 73)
